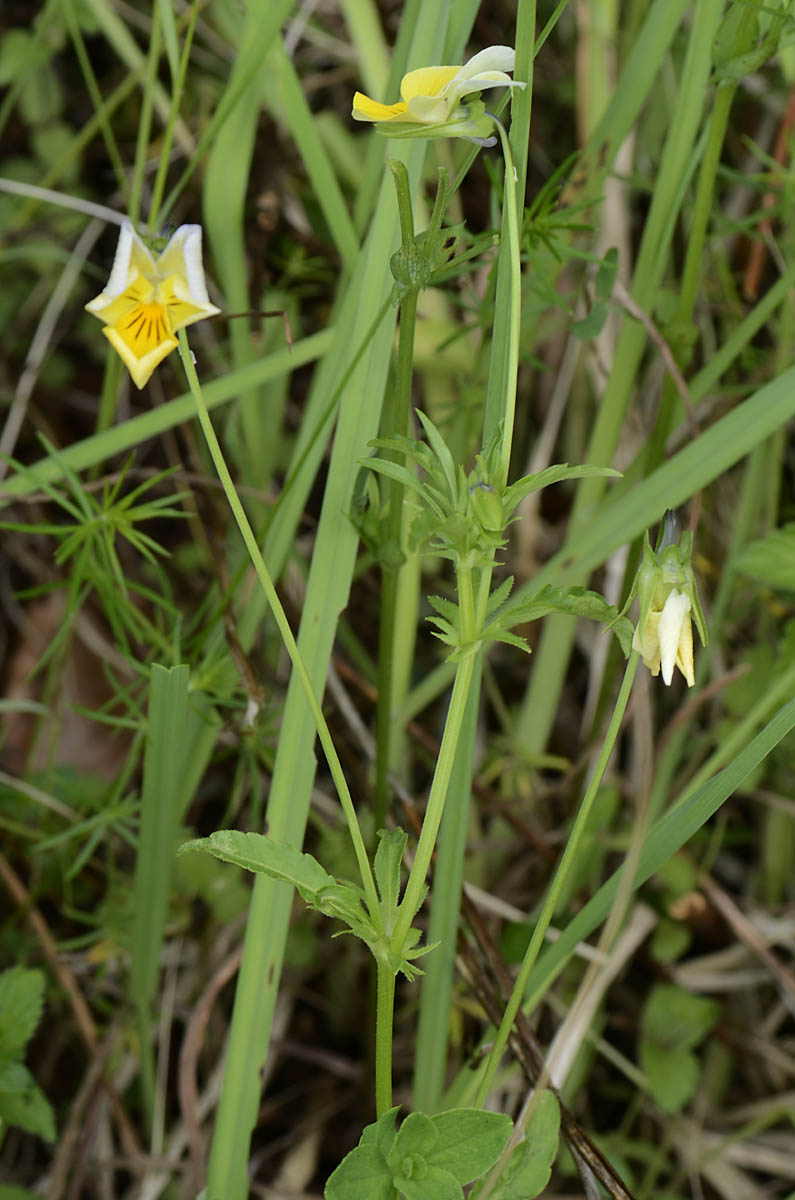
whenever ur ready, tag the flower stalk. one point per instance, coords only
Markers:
(246, 532)
(558, 881)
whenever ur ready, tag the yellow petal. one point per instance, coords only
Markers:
(139, 366)
(143, 329)
(647, 642)
(684, 652)
(111, 308)
(365, 109)
(181, 305)
(426, 81)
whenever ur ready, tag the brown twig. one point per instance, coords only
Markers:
(623, 297)
(189, 1055)
(529, 1054)
(70, 1137)
(748, 934)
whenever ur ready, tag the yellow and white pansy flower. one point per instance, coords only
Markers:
(668, 604)
(666, 640)
(431, 104)
(147, 299)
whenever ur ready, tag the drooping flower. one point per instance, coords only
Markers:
(667, 638)
(431, 104)
(147, 299)
(667, 598)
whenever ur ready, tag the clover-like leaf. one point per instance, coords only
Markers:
(21, 1000)
(362, 1175)
(433, 1183)
(530, 1164)
(673, 1022)
(23, 1103)
(469, 1141)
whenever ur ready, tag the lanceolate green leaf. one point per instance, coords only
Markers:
(257, 852)
(533, 483)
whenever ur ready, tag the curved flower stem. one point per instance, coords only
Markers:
(564, 866)
(512, 363)
(286, 632)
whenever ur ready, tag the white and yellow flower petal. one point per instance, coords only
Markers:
(676, 637)
(146, 300)
(182, 258)
(485, 70)
(647, 641)
(431, 95)
(142, 342)
(427, 81)
(493, 59)
(132, 257)
(365, 109)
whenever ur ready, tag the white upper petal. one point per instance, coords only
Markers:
(493, 58)
(183, 256)
(131, 254)
(676, 611)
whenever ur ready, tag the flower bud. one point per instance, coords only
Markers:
(667, 599)
(487, 507)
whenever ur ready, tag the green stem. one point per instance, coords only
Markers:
(385, 1007)
(561, 874)
(168, 135)
(430, 1053)
(466, 603)
(515, 300)
(283, 625)
(415, 886)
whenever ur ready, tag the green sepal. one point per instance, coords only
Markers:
(386, 867)
(470, 121)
